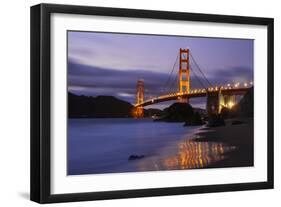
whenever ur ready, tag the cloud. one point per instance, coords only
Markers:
(232, 74)
(221, 76)
(90, 80)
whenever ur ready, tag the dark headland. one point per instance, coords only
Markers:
(80, 106)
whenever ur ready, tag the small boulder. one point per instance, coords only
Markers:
(135, 157)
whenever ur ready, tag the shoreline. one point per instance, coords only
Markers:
(240, 136)
(199, 148)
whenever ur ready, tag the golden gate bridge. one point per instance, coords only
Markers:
(217, 96)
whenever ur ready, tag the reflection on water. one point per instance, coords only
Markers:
(190, 155)
(104, 145)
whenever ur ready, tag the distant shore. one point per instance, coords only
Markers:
(235, 134)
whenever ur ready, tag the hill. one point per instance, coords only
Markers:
(102, 107)
(97, 107)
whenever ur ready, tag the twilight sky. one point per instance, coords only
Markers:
(111, 64)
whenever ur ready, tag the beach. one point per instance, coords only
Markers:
(237, 133)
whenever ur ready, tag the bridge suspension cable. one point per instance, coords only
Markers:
(174, 85)
(167, 83)
(198, 67)
(197, 78)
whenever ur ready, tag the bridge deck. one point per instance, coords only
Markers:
(193, 94)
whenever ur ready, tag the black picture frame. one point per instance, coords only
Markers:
(41, 96)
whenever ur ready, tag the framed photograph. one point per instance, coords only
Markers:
(133, 103)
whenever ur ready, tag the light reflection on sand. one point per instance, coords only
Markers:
(190, 155)
(197, 155)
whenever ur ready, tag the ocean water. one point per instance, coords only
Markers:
(104, 146)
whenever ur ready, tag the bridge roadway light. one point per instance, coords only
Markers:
(245, 84)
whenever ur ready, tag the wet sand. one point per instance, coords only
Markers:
(240, 136)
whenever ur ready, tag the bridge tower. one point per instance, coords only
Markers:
(138, 111)
(140, 92)
(184, 73)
